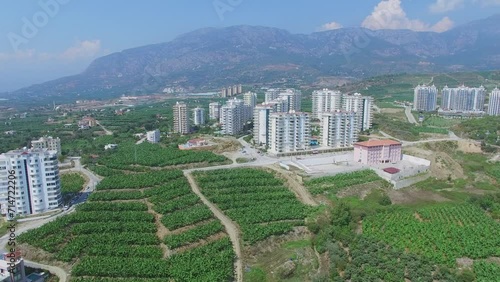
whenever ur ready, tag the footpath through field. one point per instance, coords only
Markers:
(231, 228)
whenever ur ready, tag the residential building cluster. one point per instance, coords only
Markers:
(38, 186)
(282, 128)
(231, 91)
(461, 99)
(236, 113)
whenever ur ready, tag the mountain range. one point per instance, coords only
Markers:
(210, 58)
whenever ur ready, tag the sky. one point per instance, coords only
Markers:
(47, 39)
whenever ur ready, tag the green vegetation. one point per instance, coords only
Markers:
(487, 271)
(486, 129)
(123, 235)
(255, 199)
(193, 235)
(333, 184)
(437, 121)
(441, 233)
(400, 128)
(72, 182)
(153, 155)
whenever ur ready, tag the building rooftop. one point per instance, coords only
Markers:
(377, 143)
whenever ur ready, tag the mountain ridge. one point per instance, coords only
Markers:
(208, 58)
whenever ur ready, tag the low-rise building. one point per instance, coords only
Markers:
(87, 122)
(110, 146)
(377, 152)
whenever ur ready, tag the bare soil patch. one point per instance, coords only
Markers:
(413, 196)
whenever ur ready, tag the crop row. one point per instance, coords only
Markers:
(94, 206)
(193, 235)
(260, 212)
(152, 155)
(440, 240)
(108, 227)
(110, 216)
(139, 180)
(116, 196)
(186, 217)
(177, 204)
(212, 262)
(486, 271)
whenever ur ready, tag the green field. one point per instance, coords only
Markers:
(441, 234)
(72, 182)
(110, 240)
(256, 200)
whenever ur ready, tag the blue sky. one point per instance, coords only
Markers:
(47, 39)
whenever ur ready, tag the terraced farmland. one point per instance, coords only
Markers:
(257, 201)
(158, 231)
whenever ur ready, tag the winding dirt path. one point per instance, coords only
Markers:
(231, 228)
(298, 189)
(59, 272)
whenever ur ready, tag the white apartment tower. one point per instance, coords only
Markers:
(261, 116)
(199, 116)
(49, 143)
(250, 99)
(294, 98)
(425, 98)
(463, 99)
(153, 136)
(38, 187)
(494, 104)
(272, 94)
(339, 129)
(232, 117)
(289, 132)
(362, 106)
(181, 120)
(214, 110)
(325, 101)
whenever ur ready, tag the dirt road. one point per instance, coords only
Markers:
(232, 230)
(298, 189)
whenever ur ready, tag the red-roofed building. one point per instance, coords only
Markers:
(377, 152)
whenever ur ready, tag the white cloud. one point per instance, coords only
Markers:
(442, 6)
(389, 14)
(83, 49)
(330, 26)
(86, 49)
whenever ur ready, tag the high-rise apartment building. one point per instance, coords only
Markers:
(339, 129)
(261, 115)
(214, 110)
(250, 99)
(463, 99)
(232, 117)
(425, 98)
(181, 120)
(199, 116)
(325, 101)
(289, 132)
(494, 103)
(49, 143)
(362, 106)
(38, 187)
(294, 98)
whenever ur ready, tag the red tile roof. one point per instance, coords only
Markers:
(377, 143)
(391, 170)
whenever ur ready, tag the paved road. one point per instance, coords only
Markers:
(231, 228)
(59, 272)
(409, 115)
